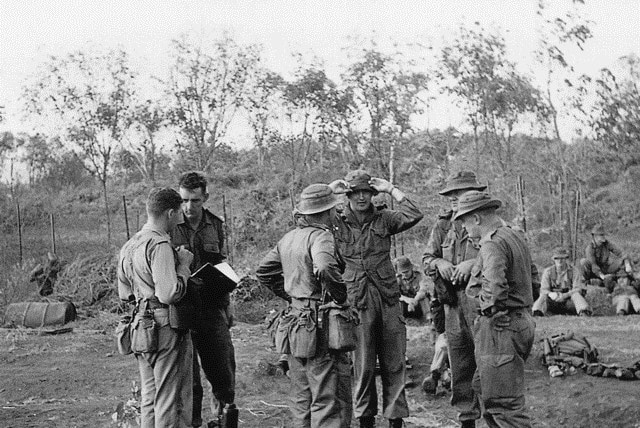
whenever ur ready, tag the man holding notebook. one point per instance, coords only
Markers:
(201, 232)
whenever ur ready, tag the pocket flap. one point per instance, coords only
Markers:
(498, 359)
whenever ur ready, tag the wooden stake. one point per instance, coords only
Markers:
(575, 223)
(19, 230)
(126, 218)
(226, 221)
(53, 232)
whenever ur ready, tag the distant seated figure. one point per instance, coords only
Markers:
(414, 289)
(625, 297)
(559, 293)
(603, 261)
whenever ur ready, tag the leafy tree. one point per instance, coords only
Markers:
(207, 84)
(557, 36)
(263, 106)
(85, 98)
(495, 97)
(387, 94)
(615, 118)
(142, 143)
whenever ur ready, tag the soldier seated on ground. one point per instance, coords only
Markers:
(415, 289)
(625, 296)
(603, 261)
(559, 293)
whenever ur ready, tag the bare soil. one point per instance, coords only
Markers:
(77, 379)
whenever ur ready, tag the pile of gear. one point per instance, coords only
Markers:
(564, 353)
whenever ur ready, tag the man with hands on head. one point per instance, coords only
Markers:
(363, 238)
(504, 331)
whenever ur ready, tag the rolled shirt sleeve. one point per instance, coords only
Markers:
(495, 290)
(270, 274)
(405, 217)
(325, 267)
(170, 286)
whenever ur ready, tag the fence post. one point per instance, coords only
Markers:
(53, 232)
(126, 218)
(19, 230)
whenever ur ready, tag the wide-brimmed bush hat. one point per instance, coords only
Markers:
(359, 180)
(475, 200)
(463, 180)
(404, 263)
(560, 253)
(316, 198)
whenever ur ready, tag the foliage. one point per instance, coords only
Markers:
(495, 97)
(87, 98)
(615, 118)
(208, 82)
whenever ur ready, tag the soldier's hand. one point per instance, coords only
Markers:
(500, 320)
(381, 185)
(339, 186)
(445, 269)
(185, 257)
(462, 272)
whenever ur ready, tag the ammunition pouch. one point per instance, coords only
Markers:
(341, 326)
(144, 335)
(123, 335)
(303, 335)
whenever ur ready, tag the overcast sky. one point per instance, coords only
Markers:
(32, 30)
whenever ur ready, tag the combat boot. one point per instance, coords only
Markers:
(229, 416)
(367, 421)
(396, 423)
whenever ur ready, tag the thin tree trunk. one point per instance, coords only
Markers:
(106, 210)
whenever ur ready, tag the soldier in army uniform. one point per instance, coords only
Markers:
(448, 258)
(561, 291)
(363, 237)
(303, 269)
(155, 276)
(202, 233)
(502, 288)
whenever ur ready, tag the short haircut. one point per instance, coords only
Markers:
(161, 199)
(193, 180)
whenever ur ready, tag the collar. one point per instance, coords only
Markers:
(205, 218)
(350, 216)
(491, 229)
(151, 228)
(303, 222)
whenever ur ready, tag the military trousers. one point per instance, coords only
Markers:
(166, 378)
(499, 378)
(458, 326)
(382, 336)
(212, 341)
(576, 303)
(321, 390)
(625, 298)
(615, 266)
(440, 358)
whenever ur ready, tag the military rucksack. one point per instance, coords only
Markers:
(568, 349)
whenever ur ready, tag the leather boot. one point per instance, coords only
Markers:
(469, 423)
(367, 421)
(396, 423)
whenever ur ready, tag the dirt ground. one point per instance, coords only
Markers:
(77, 379)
